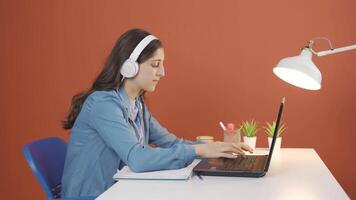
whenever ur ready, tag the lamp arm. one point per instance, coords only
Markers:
(337, 50)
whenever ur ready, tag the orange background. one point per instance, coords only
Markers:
(219, 60)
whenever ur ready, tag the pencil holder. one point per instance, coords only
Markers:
(232, 136)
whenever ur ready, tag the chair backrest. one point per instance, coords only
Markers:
(46, 158)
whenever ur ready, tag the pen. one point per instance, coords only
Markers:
(222, 126)
(198, 175)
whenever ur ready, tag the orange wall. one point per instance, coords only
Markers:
(219, 60)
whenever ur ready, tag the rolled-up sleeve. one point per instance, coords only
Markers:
(108, 119)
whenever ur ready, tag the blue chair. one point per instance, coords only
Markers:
(46, 158)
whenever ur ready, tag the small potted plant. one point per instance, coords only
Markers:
(249, 129)
(269, 129)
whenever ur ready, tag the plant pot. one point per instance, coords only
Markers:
(250, 141)
(277, 145)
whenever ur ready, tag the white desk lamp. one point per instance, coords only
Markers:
(300, 70)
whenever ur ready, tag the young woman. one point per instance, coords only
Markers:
(111, 126)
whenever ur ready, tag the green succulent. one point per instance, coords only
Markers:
(249, 128)
(270, 127)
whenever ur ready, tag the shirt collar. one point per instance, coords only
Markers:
(125, 98)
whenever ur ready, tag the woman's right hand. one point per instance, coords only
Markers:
(221, 149)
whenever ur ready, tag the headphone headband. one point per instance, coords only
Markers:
(141, 46)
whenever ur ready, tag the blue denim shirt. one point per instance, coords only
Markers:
(102, 141)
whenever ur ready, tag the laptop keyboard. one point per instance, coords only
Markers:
(246, 163)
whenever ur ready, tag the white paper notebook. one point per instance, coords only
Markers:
(174, 174)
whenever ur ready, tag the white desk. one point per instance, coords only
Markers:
(293, 174)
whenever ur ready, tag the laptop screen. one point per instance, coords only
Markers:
(279, 116)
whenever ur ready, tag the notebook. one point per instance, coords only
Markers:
(248, 166)
(174, 174)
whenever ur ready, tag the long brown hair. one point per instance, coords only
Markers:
(110, 77)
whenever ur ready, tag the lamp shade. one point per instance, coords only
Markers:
(299, 71)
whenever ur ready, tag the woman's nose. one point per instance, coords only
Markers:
(160, 71)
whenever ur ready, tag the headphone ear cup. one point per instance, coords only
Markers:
(129, 69)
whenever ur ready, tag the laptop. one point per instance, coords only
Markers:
(242, 166)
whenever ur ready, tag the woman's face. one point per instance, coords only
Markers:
(150, 71)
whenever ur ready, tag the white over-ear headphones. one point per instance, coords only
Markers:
(130, 67)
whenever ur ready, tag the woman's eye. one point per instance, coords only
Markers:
(155, 65)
